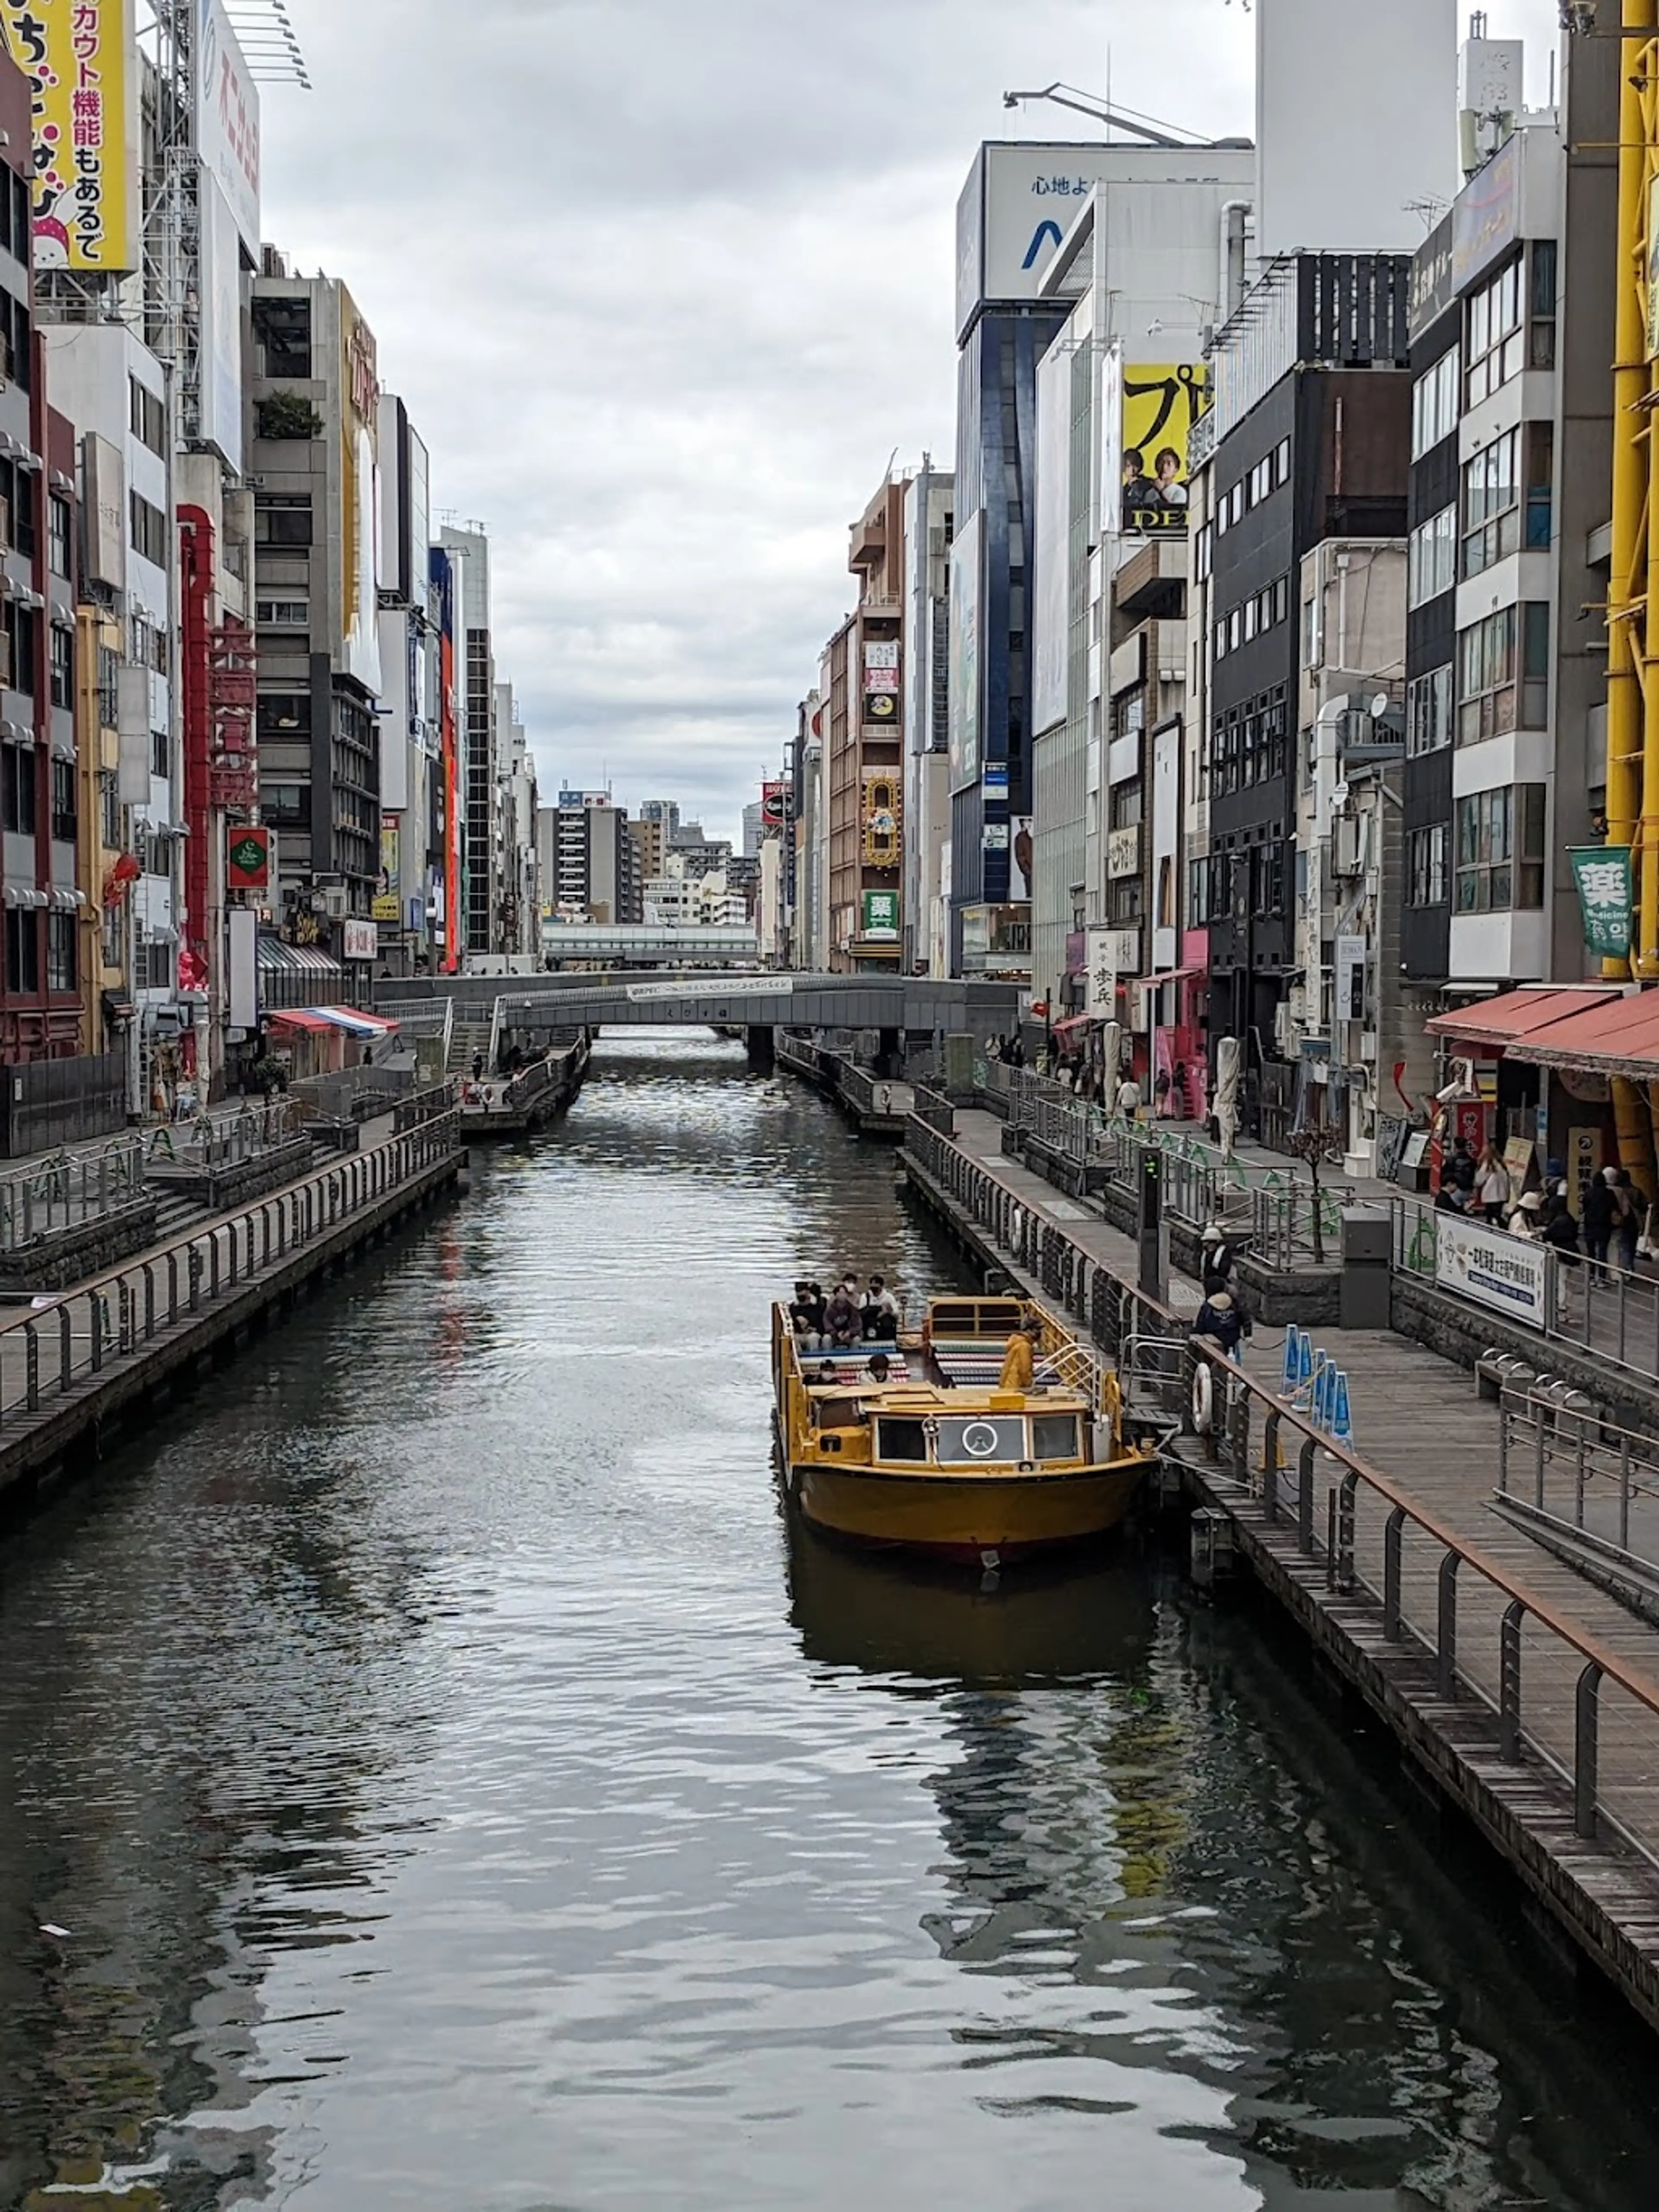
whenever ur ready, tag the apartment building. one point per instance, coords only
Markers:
(1506, 747)
(588, 860)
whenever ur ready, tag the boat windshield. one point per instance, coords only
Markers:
(1054, 1436)
(981, 1437)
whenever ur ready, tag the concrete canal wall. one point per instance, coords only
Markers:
(1527, 1698)
(76, 1375)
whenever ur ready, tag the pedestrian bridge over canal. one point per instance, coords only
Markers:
(901, 1005)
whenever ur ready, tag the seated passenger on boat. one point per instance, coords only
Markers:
(806, 1316)
(841, 1323)
(880, 1313)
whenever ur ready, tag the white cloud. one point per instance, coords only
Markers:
(664, 283)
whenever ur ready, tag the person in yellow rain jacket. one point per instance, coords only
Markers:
(1017, 1361)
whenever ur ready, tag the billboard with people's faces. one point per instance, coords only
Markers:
(1160, 404)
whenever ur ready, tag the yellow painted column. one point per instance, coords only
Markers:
(1627, 593)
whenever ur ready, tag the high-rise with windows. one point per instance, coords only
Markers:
(314, 398)
(481, 847)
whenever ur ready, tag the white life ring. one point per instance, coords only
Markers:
(1203, 1398)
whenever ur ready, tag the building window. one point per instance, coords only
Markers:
(1541, 344)
(60, 518)
(1503, 673)
(1425, 865)
(147, 416)
(284, 714)
(1496, 346)
(109, 808)
(1512, 479)
(1434, 405)
(21, 636)
(280, 520)
(161, 753)
(17, 789)
(285, 806)
(1123, 899)
(63, 801)
(1198, 893)
(62, 665)
(150, 530)
(1429, 711)
(1500, 850)
(282, 329)
(283, 614)
(22, 952)
(1432, 561)
(1125, 809)
(60, 951)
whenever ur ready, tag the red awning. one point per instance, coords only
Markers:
(1501, 1021)
(1617, 1037)
(299, 1020)
(1073, 1022)
(1174, 976)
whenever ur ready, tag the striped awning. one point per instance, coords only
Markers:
(292, 976)
(348, 1018)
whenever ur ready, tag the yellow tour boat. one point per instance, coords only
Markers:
(961, 1443)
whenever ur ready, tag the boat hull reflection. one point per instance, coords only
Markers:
(894, 1613)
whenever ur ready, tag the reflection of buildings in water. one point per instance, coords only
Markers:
(187, 1758)
(678, 1103)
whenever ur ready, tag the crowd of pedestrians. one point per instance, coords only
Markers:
(1619, 1227)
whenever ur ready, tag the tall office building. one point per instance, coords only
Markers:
(481, 844)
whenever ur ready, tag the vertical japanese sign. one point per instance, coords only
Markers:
(80, 60)
(442, 573)
(1602, 873)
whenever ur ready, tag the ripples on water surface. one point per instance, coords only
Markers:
(463, 1789)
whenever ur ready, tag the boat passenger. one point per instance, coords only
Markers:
(880, 1368)
(880, 1313)
(806, 1318)
(1018, 1363)
(841, 1319)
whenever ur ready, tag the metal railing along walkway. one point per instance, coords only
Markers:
(1608, 1313)
(87, 1332)
(55, 1195)
(1288, 1224)
(1559, 1696)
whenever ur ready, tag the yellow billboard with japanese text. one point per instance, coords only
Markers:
(81, 60)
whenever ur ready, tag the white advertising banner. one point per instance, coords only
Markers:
(1509, 1274)
(242, 927)
(1051, 596)
(221, 326)
(228, 119)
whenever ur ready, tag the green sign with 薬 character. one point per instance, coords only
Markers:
(881, 915)
(1605, 895)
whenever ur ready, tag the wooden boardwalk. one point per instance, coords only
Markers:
(1422, 1429)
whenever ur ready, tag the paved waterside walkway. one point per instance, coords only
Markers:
(74, 1364)
(1429, 1443)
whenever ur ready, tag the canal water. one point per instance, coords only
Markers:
(455, 1784)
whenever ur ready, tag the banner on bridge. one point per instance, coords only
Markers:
(1509, 1274)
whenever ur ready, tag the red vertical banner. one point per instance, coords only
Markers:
(443, 576)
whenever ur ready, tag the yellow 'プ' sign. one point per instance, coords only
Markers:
(1160, 406)
(78, 56)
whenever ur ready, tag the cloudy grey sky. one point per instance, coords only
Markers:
(665, 282)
